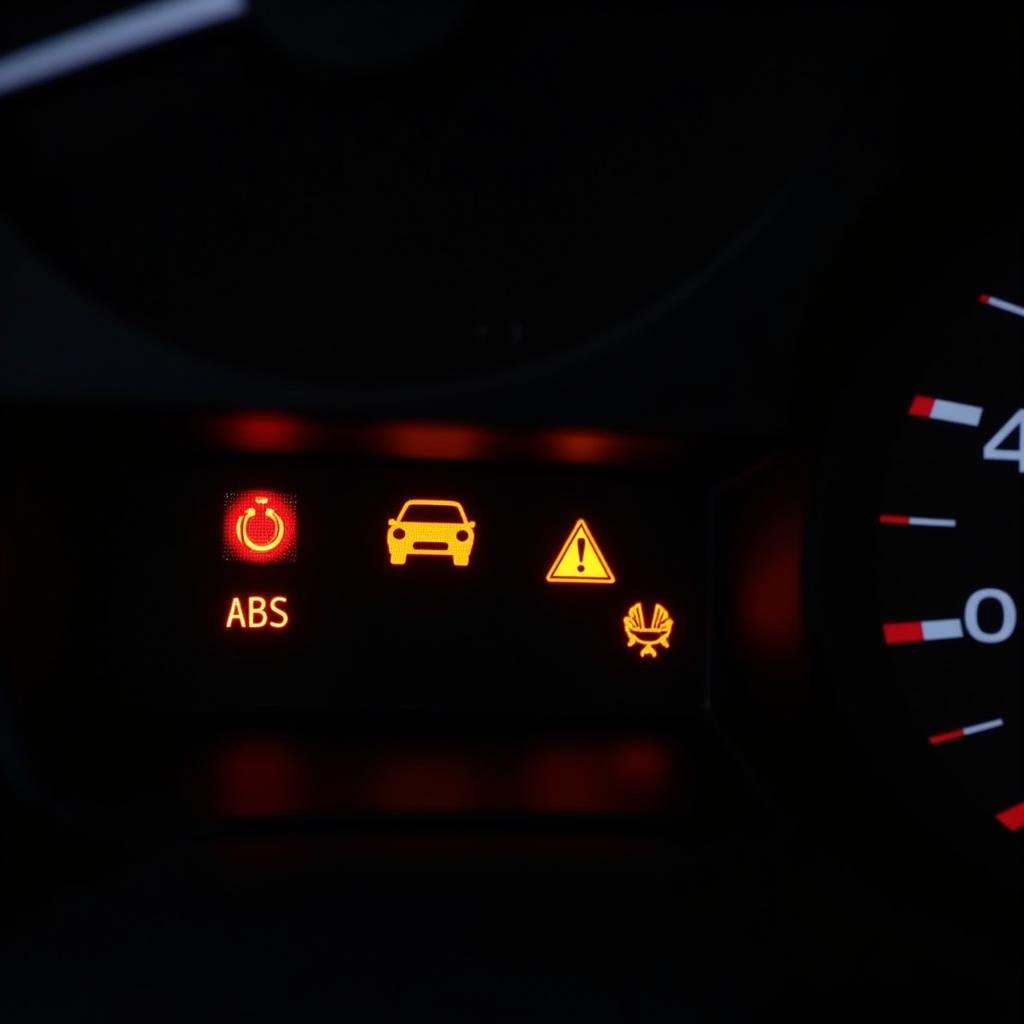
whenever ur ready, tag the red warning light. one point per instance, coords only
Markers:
(260, 526)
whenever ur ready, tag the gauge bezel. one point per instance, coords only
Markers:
(844, 606)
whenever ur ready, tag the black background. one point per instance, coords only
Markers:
(884, 179)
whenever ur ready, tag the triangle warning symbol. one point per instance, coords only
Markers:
(580, 560)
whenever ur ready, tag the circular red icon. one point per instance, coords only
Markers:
(260, 526)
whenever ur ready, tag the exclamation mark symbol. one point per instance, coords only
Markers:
(580, 547)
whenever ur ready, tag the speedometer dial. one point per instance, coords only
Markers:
(924, 568)
(950, 569)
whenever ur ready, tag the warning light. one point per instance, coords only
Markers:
(257, 612)
(431, 526)
(648, 634)
(260, 526)
(580, 560)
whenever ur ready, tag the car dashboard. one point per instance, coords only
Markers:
(510, 514)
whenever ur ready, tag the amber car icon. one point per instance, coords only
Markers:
(431, 526)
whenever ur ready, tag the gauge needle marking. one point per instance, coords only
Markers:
(110, 37)
(963, 732)
(1006, 307)
(1013, 817)
(894, 520)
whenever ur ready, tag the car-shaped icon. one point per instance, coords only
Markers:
(431, 526)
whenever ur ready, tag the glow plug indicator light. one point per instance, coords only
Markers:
(648, 633)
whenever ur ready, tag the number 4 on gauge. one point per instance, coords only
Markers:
(994, 449)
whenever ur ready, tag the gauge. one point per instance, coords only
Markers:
(923, 528)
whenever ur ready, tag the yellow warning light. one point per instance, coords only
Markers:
(580, 560)
(649, 634)
(431, 526)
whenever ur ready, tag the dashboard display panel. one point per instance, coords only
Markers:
(194, 578)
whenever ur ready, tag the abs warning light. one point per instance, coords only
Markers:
(580, 560)
(257, 612)
(260, 526)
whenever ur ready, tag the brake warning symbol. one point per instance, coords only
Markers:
(580, 560)
(260, 526)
